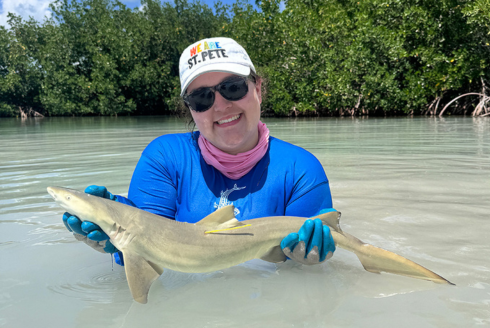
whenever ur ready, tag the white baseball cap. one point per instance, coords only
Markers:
(213, 55)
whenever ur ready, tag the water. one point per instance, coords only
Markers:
(415, 186)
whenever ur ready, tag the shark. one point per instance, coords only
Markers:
(150, 242)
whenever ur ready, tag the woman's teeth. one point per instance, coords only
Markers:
(230, 119)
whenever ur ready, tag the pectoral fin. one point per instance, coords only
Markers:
(140, 275)
(275, 255)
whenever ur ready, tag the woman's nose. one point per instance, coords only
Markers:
(220, 103)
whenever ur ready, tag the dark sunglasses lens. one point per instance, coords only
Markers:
(201, 100)
(234, 90)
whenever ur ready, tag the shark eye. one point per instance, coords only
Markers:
(68, 197)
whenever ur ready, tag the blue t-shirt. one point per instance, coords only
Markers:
(172, 179)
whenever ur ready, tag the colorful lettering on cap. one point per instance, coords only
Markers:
(208, 50)
(204, 46)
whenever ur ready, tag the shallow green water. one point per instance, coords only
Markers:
(416, 186)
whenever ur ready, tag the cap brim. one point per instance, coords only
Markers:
(232, 68)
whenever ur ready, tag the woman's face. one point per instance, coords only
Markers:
(231, 126)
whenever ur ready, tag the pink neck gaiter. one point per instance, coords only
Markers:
(235, 166)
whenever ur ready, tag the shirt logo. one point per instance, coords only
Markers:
(223, 200)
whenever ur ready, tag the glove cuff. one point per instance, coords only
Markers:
(118, 258)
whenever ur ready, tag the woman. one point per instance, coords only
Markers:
(230, 160)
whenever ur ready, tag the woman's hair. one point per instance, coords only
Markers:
(184, 112)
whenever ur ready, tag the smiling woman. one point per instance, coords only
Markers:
(230, 160)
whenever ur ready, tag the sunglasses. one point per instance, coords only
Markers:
(232, 89)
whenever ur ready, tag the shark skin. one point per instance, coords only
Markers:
(150, 242)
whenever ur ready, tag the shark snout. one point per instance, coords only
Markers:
(51, 192)
(60, 196)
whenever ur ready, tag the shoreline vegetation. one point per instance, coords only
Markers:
(318, 57)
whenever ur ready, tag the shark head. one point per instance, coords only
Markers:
(87, 207)
(73, 201)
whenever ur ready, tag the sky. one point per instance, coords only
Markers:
(25, 8)
(40, 8)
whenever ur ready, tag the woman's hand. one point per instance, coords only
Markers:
(89, 232)
(312, 244)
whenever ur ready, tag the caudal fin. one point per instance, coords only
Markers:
(375, 259)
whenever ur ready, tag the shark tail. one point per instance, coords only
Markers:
(376, 260)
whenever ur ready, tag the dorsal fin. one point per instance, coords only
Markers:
(219, 217)
(241, 225)
(230, 224)
(332, 219)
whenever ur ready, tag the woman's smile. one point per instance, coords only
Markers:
(229, 121)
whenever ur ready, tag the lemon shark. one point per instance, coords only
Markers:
(150, 242)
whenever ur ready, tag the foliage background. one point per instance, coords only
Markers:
(319, 57)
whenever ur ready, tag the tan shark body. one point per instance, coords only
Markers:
(150, 242)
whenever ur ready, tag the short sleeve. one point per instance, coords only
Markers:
(310, 191)
(153, 186)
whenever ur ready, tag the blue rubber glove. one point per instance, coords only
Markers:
(312, 244)
(89, 232)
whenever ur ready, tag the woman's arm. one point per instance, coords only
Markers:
(153, 185)
(313, 243)
(310, 189)
(311, 202)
